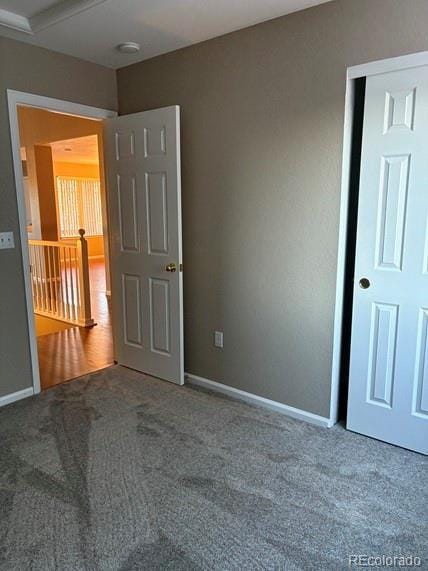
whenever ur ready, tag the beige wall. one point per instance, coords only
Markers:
(27, 68)
(262, 126)
(76, 169)
(41, 127)
(262, 117)
(46, 192)
(38, 126)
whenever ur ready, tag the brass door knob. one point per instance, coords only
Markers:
(171, 267)
(364, 283)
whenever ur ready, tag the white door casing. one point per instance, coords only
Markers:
(388, 382)
(144, 199)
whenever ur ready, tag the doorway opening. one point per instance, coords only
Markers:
(142, 153)
(66, 229)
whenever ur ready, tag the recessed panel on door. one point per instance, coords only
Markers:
(394, 179)
(425, 257)
(399, 110)
(154, 141)
(131, 304)
(124, 145)
(157, 213)
(383, 337)
(128, 212)
(159, 315)
(420, 402)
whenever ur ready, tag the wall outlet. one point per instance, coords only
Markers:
(6, 240)
(218, 339)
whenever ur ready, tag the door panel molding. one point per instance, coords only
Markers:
(383, 336)
(131, 308)
(160, 329)
(391, 222)
(157, 238)
(145, 218)
(420, 388)
(128, 228)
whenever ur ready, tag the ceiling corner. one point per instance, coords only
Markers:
(15, 21)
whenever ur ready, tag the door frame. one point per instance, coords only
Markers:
(352, 73)
(15, 98)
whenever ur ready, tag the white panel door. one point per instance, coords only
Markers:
(144, 199)
(388, 390)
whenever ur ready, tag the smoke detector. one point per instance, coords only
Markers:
(128, 48)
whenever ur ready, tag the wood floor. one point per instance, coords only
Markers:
(77, 351)
(46, 325)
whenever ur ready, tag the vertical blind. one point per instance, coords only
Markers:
(79, 206)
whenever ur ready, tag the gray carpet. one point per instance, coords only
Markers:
(118, 471)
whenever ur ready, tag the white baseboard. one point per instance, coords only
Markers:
(260, 401)
(8, 399)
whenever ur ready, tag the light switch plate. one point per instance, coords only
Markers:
(218, 339)
(6, 240)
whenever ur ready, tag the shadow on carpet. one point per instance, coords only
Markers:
(119, 471)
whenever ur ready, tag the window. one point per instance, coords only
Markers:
(79, 206)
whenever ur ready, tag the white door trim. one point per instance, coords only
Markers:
(15, 98)
(387, 65)
(352, 73)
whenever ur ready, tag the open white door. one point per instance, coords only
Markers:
(144, 200)
(388, 391)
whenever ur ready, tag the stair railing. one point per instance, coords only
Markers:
(60, 280)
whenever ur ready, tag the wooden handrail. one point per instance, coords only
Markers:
(62, 244)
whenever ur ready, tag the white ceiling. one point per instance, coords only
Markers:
(83, 150)
(91, 29)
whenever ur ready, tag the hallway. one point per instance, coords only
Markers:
(77, 351)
